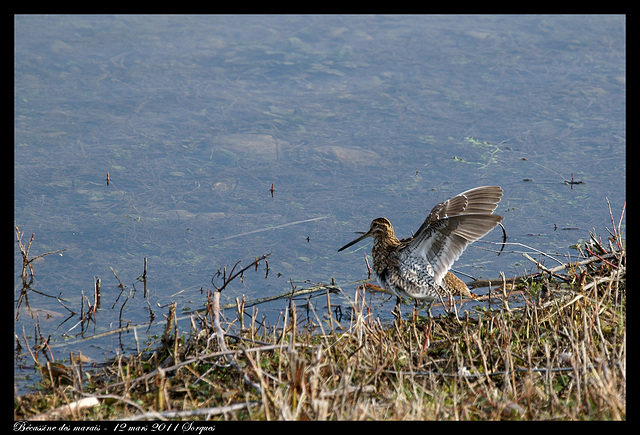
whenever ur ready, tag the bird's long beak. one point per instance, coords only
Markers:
(353, 242)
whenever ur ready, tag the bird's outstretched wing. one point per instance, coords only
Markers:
(450, 227)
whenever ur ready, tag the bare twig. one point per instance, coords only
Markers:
(219, 333)
(232, 276)
(216, 410)
(504, 238)
(475, 245)
(545, 269)
(26, 262)
(485, 282)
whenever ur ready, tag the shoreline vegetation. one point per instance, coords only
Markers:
(561, 354)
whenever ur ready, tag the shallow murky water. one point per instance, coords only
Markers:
(349, 118)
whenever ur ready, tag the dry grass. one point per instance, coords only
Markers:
(562, 355)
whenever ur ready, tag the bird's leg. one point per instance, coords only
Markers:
(419, 307)
(429, 307)
(396, 311)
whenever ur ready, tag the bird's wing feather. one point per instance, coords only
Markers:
(443, 241)
(450, 227)
(482, 200)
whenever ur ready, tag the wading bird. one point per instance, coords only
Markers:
(418, 267)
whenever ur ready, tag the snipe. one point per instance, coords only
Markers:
(418, 267)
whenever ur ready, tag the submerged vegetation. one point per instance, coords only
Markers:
(559, 355)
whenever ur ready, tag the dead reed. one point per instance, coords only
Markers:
(561, 355)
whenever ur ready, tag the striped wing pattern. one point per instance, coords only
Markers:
(450, 227)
